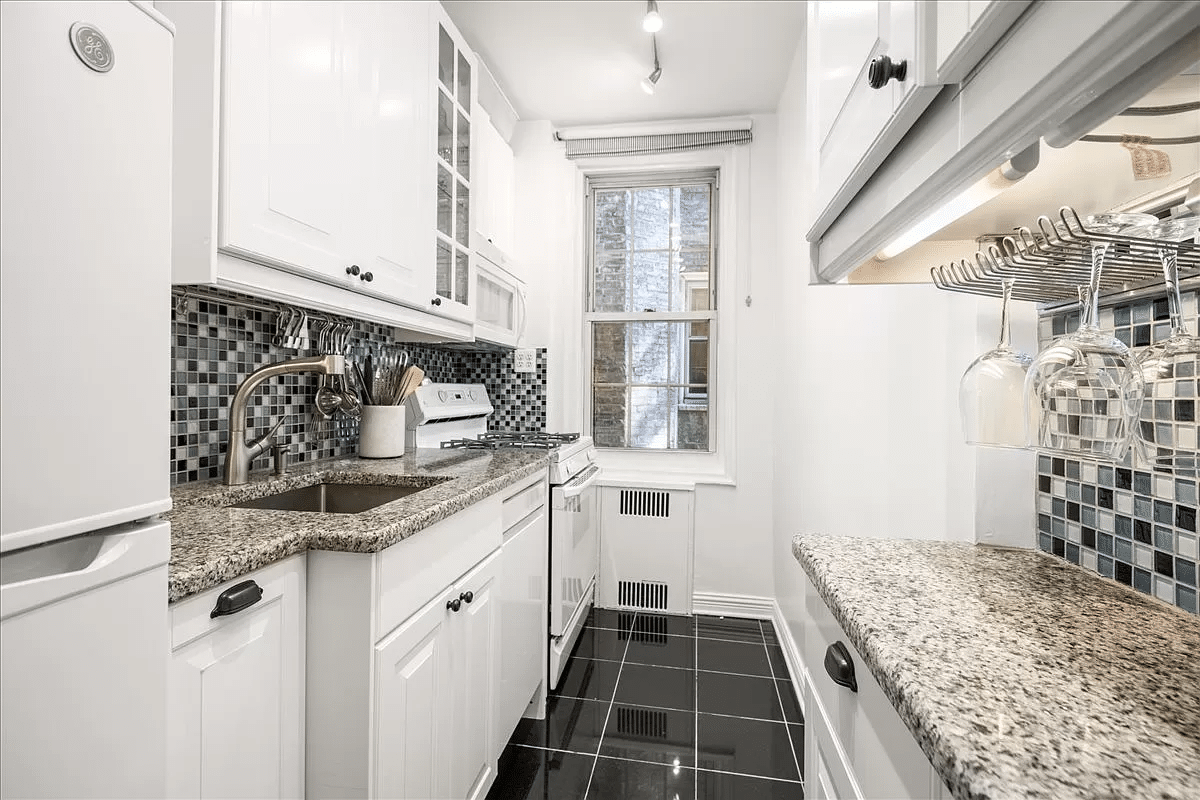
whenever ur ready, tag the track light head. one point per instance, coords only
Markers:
(650, 80)
(653, 21)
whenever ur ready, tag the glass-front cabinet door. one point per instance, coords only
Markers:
(455, 98)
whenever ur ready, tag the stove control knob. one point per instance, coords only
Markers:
(442, 396)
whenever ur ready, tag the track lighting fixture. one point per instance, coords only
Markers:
(650, 80)
(653, 21)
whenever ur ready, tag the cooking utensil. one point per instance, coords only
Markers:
(412, 379)
(351, 405)
(327, 400)
(363, 385)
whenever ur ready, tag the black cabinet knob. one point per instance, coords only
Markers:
(366, 276)
(352, 269)
(840, 666)
(467, 597)
(437, 301)
(454, 605)
(883, 69)
(236, 598)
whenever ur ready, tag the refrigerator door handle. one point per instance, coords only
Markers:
(40, 575)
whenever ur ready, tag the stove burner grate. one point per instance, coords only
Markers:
(504, 441)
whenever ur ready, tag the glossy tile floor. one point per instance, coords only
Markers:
(657, 707)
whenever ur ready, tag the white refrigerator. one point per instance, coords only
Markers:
(85, 249)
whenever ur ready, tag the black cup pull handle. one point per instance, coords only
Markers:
(236, 598)
(840, 666)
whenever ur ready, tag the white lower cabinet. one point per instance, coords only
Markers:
(235, 703)
(434, 692)
(403, 661)
(856, 746)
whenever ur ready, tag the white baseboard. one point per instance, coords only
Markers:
(791, 654)
(733, 605)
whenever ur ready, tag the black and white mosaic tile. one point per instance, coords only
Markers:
(215, 345)
(1125, 521)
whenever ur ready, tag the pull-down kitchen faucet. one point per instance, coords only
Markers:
(239, 454)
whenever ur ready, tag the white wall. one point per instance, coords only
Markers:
(733, 523)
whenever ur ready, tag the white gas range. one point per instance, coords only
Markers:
(453, 415)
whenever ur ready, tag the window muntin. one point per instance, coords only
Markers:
(651, 315)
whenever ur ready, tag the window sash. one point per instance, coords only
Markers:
(694, 396)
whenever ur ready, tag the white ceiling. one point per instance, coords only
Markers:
(580, 63)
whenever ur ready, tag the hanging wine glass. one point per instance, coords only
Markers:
(1167, 429)
(990, 391)
(1083, 392)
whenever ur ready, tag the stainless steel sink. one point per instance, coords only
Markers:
(332, 498)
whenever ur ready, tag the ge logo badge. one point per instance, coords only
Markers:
(91, 47)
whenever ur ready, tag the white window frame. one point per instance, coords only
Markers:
(681, 468)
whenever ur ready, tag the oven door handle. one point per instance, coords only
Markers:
(575, 490)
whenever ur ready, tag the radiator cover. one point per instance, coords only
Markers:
(646, 547)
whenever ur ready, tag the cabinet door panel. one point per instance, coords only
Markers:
(396, 204)
(285, 135)
(226, 720)
(475, 679)
(412, 744)
(857, 126)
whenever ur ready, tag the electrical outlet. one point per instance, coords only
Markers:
(525, 360)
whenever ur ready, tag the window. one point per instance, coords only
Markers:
(651, 315)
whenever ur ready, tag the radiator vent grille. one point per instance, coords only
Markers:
(642, 594)
(645, 503)
(641, 723)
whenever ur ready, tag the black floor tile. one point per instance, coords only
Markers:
(791, 705)
(748, 746)
(614, 779)
(650, 734)
(571, 724)
(662, 651)
(738, 695)
(526, 773)
(657, 686)
(720, 786)
(589, 679)
(611, 618)
(768, 630)
(602, 643)
(648, 624)
(796, 732)
(778, 662)
(745, 658)
(729, 628)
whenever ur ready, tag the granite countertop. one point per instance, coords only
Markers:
(211, 544)
(1020, 675)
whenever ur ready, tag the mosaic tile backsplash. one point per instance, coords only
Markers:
(1124, 521)
(215, 345)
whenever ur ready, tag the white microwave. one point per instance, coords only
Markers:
(501, 310)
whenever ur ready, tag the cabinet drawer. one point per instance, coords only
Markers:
(191, 618)
(524, 500)
(417, 568)
(879, 749)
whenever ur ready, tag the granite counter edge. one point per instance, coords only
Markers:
(182, 585)
(933, 745)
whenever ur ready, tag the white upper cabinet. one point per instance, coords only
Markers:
(495, 179)
(967, 29)
(304, 157)
(287, 136)
(453, 101)
(870, 77)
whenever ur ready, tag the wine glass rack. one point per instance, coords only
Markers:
(1052, 263)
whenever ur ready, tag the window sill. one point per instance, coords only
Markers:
(673, 470)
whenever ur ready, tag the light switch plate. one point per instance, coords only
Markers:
(525, 360)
